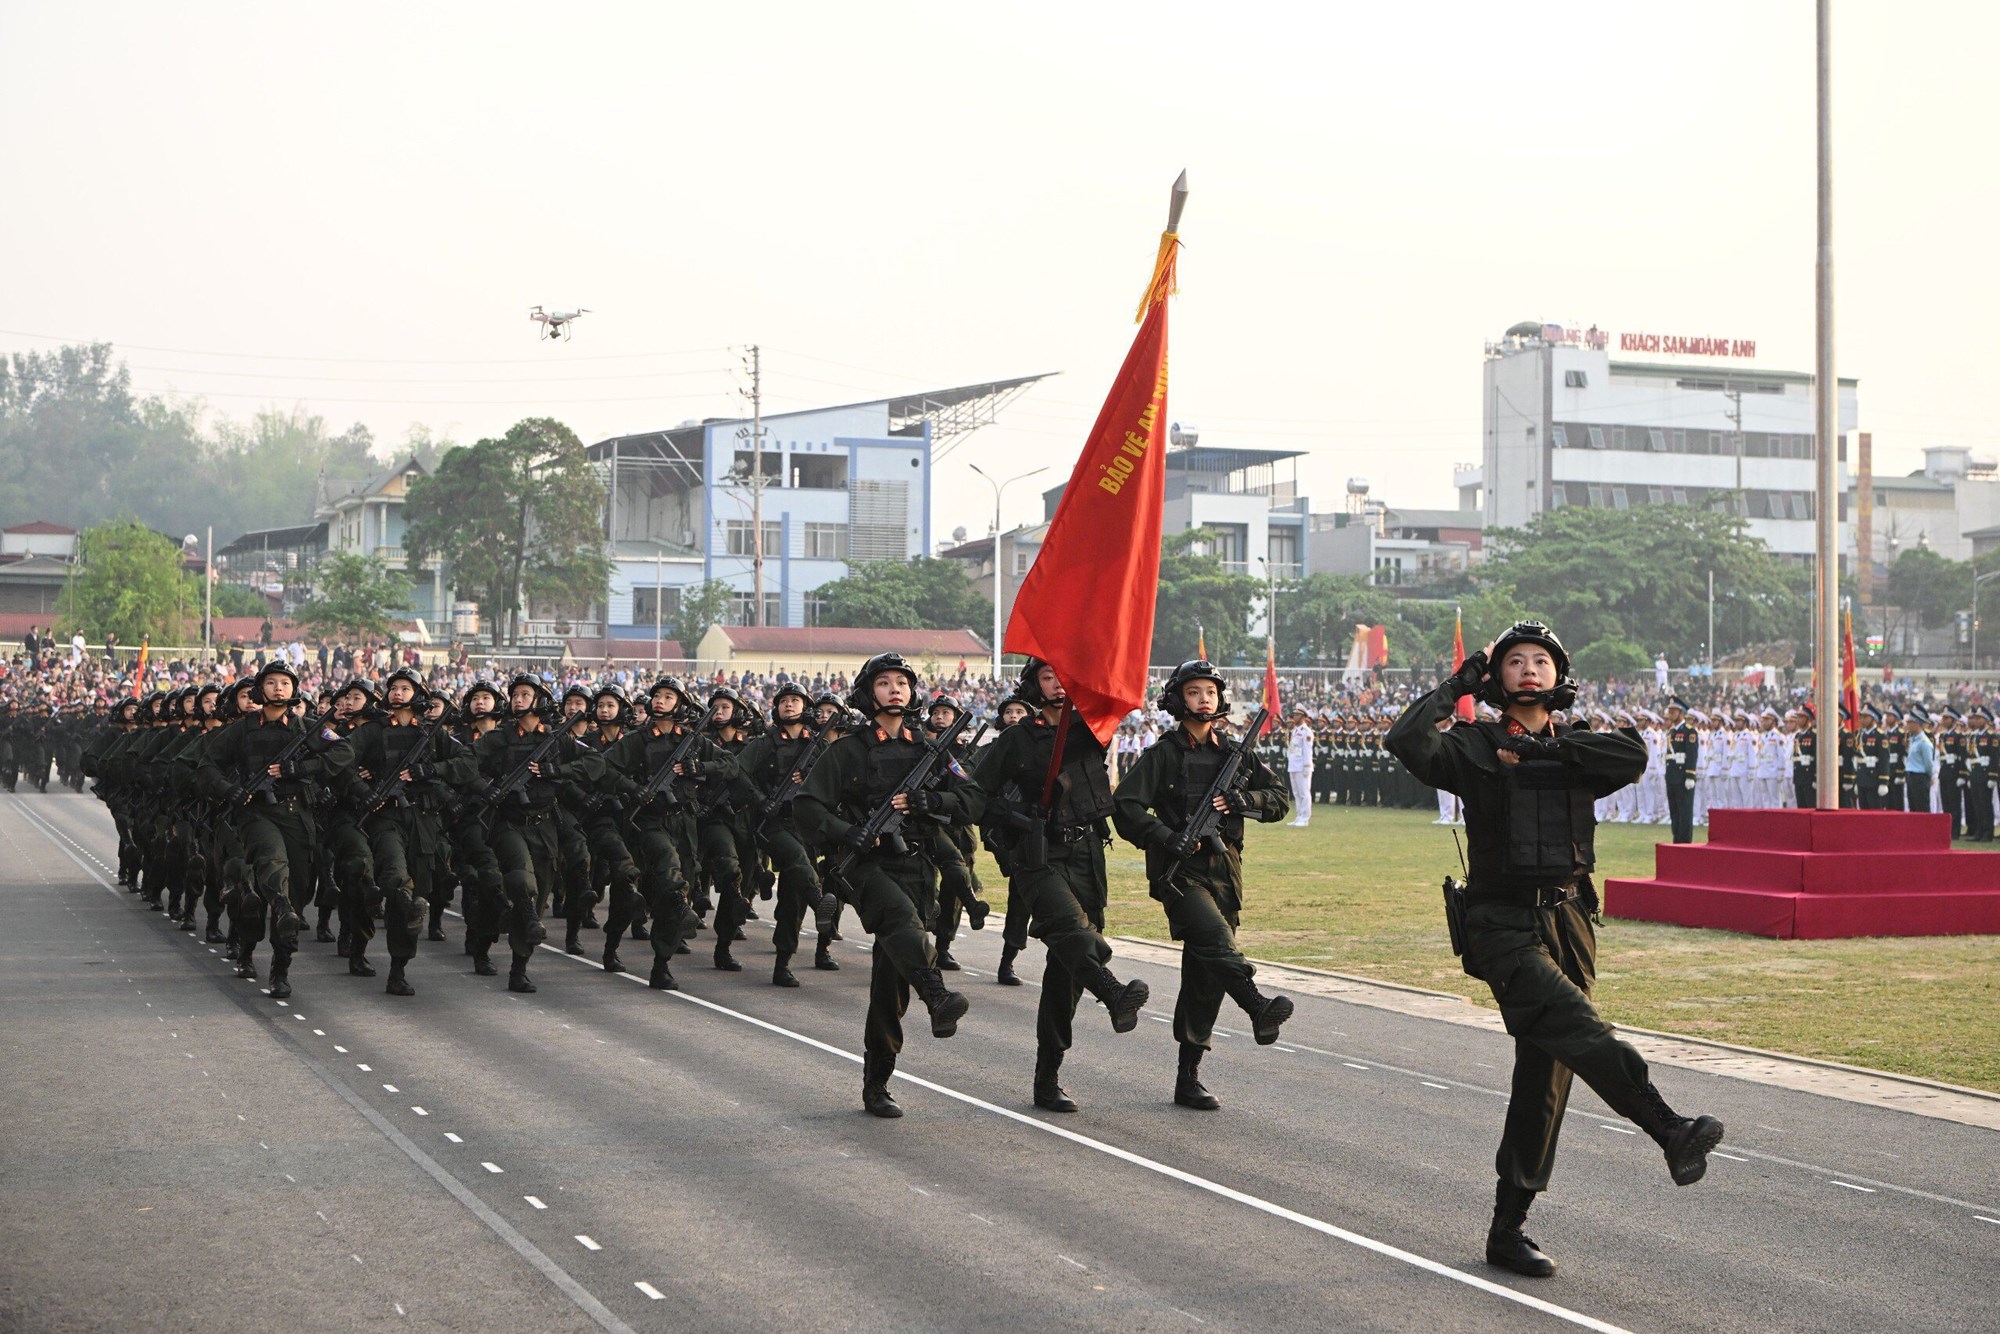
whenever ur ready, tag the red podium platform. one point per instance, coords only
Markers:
(1817, 875)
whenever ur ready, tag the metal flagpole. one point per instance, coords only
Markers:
(1826, 414)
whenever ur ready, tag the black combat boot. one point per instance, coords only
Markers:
(1123, 1000)
(570, 943)
(947, 1007)
(1188, 1090)
(246, 962)
(945, 963)
(823, 957)
(1685, 1141)
(782, 974)
(724, 960)
(517, 976)
(663, 977)
(398, 984)
(482, 963)
(1267, 1013)
(345, 945)
(357, 961)
(281, 980)
(612, 963)
(213, 935)
(975, 914)
(1050, 1095)
(437, 923)
(1506, 1245)
(320, 933)
(1007, 977)
(639, 931)
(875, 1096)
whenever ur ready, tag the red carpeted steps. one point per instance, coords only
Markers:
(1815, 875)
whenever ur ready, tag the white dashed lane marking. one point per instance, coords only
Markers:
(535, 1202)
(587, 1243)
(1849, 1185)
(453, 1138)
(650, 1290)
(494, 1168)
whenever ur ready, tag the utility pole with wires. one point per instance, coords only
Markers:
(753, 362)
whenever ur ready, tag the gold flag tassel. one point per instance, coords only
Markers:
(1164, 283)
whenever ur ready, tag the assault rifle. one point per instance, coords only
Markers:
(661, 785)
(1205, 820)
(794, 781)
(521, 773)
(885, 822)
(265, 782)
(389, 787)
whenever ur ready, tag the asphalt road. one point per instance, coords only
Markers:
(183, 1152)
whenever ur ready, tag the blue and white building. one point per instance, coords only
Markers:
(841, 484)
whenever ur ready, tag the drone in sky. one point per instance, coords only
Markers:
(555, 323)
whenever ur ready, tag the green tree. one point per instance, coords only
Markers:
(128, 582)
(236, 600)
(353, 598)
(702, 605)
(1929, 586)
(518, 516)
(1602, 659)
(1641, 574)
(1200, 600)
(921, 594)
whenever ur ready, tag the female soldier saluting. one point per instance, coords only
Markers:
(1528, 787)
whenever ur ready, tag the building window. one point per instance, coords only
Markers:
(1618, 437)
(1800, 510)
(740, 604)
(663, 603)
(738, 533)
(816, 606)
(1656, 440)
(1656, 495)
(1619, 500)
(825, 541)
(1282, 552)
(1559, 436)
(1575, 380)
(1597, 437)
(820, 472)
(1680, 445)
(1680, 495)
(1596, 493)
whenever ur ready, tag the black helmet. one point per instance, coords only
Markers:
(861, 695)
(544, 697)
(826, 699)
(1013, 699)
(204, 692)
(673, 683)
(576, 692)
(1195, 669)
(1029, 688)
(738, 709)
(1561, 695)
(488, 689)
(798, 691)
(417, 684)
(943, 701)
(366, 687)
(275, 667)
(610, 690)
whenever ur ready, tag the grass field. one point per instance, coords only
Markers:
(1357, 892)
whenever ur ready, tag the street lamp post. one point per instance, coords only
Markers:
(999, 572)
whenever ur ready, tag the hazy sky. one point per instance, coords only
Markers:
(353, 206)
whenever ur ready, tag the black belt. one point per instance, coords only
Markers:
(1544, 896)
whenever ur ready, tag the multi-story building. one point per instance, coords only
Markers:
(1394, 545)
(1567, 425)
(1245, 499)
(1940, 506)
(835, 486)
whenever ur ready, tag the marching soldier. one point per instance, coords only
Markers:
(662, 833)
(601, 814)
(998, 841)
(1204, 904)
(951, 850)
(481, 709)
(1528, 786)
(526, 761)
(721, 830)
(773, 766)
(888, 882)
(1058, 809)
(265, 762)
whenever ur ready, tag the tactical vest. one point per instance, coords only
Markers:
(1083, 788)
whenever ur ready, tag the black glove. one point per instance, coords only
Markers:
(1471, 674)
(690, 767)
(1020, 822)
(239, 795)
(1236, 801)
(1183, 844)
(1534, 747)
(289, 769)
(420, 772)
(855, 838)
(925, 802)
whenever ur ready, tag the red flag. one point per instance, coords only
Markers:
(1850, 687)
(1086, 606)
(139, 677)
(1378, 646)
(1458, 660)
(1200, 642)
(1270, 685)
